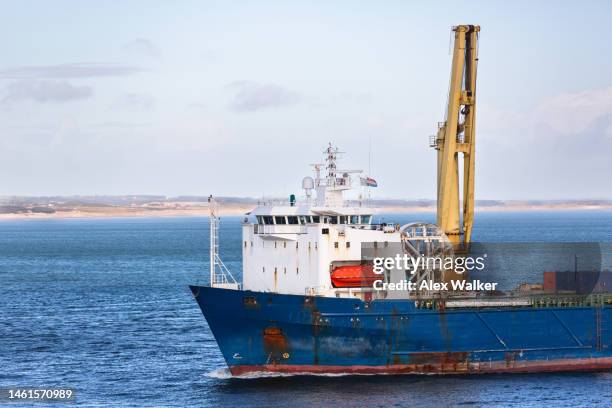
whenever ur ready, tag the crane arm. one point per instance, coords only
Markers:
(455, 137)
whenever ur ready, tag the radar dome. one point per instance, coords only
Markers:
(307, 183)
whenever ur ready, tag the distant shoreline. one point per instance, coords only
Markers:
(238, 210)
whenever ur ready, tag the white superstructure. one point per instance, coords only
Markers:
(293, 247)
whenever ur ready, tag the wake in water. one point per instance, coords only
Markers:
(223, 373)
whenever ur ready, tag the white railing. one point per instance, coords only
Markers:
(285, 203)
(223, 277)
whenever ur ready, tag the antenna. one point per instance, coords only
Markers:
(369, 167)
(370, 156)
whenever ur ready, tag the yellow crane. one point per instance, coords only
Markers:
(455, 137)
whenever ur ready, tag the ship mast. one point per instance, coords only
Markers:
(455, 137)
(330, 160)
(214, 237)
(220, 276)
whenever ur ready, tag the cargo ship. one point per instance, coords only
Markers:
(313, 299)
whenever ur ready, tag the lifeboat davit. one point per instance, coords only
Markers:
(354, 276)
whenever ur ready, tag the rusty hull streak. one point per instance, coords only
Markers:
(311, 307)
(393, 330)
(275, 344)
(440, 361)
(586, 364)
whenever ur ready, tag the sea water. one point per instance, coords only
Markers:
(102, 306)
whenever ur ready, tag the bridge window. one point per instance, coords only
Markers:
(343, 219)
(280, 220)
(293, 220)
(354, 219)
(268, 219)
(365, 219)
(304, 219)
(315, 219)
(259, 219)
(333, 220)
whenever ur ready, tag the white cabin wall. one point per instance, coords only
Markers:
(307, 266)
(296, 268)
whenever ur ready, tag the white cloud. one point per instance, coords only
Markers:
(251, 96)
(45, 91)
(575, 113)
(559, 149)
(74, 70)
(143, 47)
(136, 101)
(568, 118)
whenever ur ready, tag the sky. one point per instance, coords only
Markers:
(239, 98)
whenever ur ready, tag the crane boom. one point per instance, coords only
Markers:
(456, 135)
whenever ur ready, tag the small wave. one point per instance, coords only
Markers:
(222, 373)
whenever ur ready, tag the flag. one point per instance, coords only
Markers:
(368, 181)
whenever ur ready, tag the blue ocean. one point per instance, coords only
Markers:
(102, 306)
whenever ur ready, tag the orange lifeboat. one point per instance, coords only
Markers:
(354, 276)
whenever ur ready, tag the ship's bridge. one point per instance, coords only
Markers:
(303, 215)
(282, 221)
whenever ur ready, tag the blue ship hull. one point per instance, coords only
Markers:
(267, 332)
